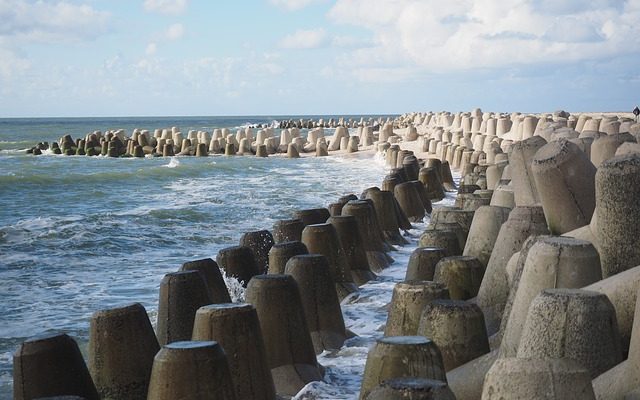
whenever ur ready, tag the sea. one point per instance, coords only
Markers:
(79, 234)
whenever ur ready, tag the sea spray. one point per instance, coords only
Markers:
(234, 286)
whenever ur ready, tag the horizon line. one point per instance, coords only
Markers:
(300, 115)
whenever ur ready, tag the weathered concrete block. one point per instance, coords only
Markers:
(399, 357)
(540, 379)
(565, 179)
(457, 328)
(407, 304)
(572, 323)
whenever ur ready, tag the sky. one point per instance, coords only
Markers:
(284, 57)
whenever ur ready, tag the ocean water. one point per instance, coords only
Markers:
(80, 234)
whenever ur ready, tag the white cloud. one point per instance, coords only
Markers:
(11, 63)
(439, 35)
(27, 22)
(304, 39)
(293, 4)
(151, 49)
(47, 22)
(175, 32)
(349, 41)
(168, 7)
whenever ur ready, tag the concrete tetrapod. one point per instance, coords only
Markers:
(319, 300)
(313, 216)
(370, 233)
(565, 180)
(515, 267)
(604, 147)
(321, 148)
(540, 379)
(622, 290)
(466, 381)
(262, 150)
(623, 378)
(447, 240)
(238, 262)
(401, 357)
(260, 243)
(437, 164)
(287, 230)
(407, 303)
(618, 213)
(402, 154)
(349, 237)
(483, 233)
(457, 328)
(391, 157)
(335, 209)
(447, 177)
(323, 239)
(494, 175)
(280, 253)
(51, 365)
(290, 353)
(633, 395)
(411, 167)
(520, 159)
(494, 289)
(122, 345)
(384, 206)
(191, 370)
(422, 263)
(424, 196)
(201, 150)
(230, 149)
(292, 151)
(236, 328)
(210, 272)
(452, 219)
(503, 196)
(411, 389)
(429, 177)
(389, 182)
(572, 323)
(462, 275)
(403, 221)
(448, 214)
(359, 205)
(410, 201)
(471, 201)
(181, 294)
(552, 262)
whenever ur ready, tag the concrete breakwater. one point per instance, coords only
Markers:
(250, 140)
(496, 304)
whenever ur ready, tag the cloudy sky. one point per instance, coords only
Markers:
(270, 57)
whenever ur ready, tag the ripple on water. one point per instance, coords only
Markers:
(79, 234)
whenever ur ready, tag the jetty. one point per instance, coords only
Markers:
(524, 286)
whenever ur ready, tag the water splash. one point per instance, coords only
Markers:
(234, 286)
(173, 163)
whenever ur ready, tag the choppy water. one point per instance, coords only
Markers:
(79, 234)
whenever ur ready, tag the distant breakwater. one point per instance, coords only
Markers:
(258, 139)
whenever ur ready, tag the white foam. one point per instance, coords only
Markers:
(234, 286)
(173, 163)
(365, 315)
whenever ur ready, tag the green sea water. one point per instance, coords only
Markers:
(79, 234)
